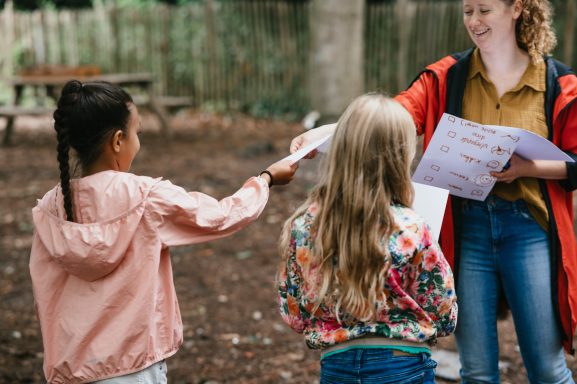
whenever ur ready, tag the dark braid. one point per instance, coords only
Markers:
(86, 116)
(69, 97)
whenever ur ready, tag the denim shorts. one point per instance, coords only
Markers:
(155, 374)
(377, 365)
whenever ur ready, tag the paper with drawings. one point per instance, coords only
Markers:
(532, 146)
(461, 155)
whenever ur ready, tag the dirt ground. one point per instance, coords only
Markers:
(232, 331)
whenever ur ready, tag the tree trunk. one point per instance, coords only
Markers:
(337, 54)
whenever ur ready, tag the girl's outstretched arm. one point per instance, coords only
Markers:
(183, 217)
(280, 173)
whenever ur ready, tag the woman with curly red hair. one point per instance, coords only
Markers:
(519, 244)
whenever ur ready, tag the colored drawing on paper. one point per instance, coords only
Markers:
(498, 150)
(493, 164)
(513, 137)
(484, 180)
(469, 159)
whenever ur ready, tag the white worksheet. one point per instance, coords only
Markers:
(462, 153)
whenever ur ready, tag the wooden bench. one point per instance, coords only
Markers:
(175, 102)
(11, 112)
(171, 103)
(142, 82)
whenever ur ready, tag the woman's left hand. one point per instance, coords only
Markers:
(541, 169)
(518, 167)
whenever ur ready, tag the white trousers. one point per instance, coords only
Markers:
(155, 374)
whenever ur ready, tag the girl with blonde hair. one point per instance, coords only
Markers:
(361, 276)
(518, 246)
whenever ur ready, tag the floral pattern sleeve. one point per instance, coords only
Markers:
(434, 288)
(289, 286)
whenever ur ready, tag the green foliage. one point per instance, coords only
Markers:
(137, 3)
(140, 3)
(285, 107)
(5, 95)
(28, 5)
(231, 62)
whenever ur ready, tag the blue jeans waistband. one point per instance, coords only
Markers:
(493, 202)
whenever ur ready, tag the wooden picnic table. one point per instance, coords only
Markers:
(54, 83)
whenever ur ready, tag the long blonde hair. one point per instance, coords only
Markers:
(366, 170)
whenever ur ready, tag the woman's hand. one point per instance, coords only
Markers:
(282, 172)
(308, 137)
(517, 167)
(542, 169)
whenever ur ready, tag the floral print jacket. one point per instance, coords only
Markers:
(420, 302)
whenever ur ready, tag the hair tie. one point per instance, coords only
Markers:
(269, 175)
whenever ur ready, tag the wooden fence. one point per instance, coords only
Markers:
(224, 54)
(400, 42)
(247, 55)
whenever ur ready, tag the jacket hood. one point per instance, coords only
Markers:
(90, 249)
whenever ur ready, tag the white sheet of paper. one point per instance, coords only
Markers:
(430, 202)
(326, 144)
(534, 147)
(321, 145)
(462, 153)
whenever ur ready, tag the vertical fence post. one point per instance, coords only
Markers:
(6, 59)
(336, 54)
(569, 35)
(7, 38)
(211, 41)
(405, 12)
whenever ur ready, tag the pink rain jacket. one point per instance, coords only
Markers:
(103, 286)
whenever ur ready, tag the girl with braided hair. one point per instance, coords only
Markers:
(100, 263)
(518, 246)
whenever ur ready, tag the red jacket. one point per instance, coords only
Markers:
(440, 88)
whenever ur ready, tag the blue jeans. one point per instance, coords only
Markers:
(503, 247)
(377, 365)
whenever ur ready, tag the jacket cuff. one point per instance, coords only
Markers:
(570, 183)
